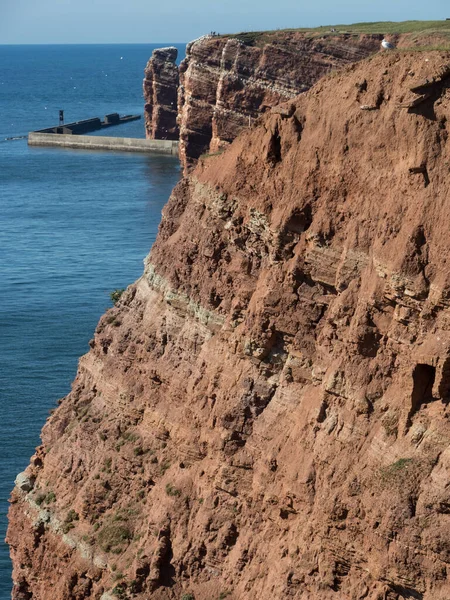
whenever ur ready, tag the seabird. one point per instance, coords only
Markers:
(387, 45)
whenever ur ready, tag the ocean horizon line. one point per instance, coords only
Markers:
(93, 44)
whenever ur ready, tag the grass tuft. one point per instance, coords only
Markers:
(112, 537)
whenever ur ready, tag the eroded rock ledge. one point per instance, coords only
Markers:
(264, 414)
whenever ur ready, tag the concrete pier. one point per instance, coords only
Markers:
(94, 142)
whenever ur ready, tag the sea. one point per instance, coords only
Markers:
(74, 225)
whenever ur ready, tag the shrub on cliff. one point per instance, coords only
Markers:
(50, 497)
(172, 491)
(112, 537)
(116, 294)
(120, 590)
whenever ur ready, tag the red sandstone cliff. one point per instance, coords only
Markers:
(160, 93)
(227, 82)
(264, 413)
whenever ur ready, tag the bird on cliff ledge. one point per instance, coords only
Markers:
(387, 45)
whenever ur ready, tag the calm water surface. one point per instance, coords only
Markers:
(74, 225)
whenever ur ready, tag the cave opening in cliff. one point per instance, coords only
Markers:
(300, 220)
(423, 381)
(274, 150)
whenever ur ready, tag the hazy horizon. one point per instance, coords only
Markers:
(55, 22)
(95, 43)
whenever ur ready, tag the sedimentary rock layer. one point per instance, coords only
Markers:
(264, 413)
(227, 82)
(160, 93)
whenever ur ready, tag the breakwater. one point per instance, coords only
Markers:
(91, 142)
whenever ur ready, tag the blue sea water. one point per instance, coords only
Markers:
(74, 225)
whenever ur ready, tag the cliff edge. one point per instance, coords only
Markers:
(264, 413)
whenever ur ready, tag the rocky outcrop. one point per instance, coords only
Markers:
(264, 414)
(160, 93)
(227, 82)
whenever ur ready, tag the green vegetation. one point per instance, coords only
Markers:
(72, 515)
(163, 467)
(116, 294)
(112, 319)
(68, 524)
(112, 537)
(392, 27)
(130, 436)
(122, 514)
(400, 464)
(397, 471)
(50, 497)
(385, 27)
(219, 152)
(120, 590)
(188, 597)
(47, 498)
(211, 154)
(172, 491)
(250, 38)
(416, 28)
(66, 527)
(40, 499)
(107, 465)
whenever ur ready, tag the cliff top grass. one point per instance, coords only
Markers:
(417, 29)
(386, 27)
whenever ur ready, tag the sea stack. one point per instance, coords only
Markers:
(160, 93)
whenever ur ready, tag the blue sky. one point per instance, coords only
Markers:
(144, 21)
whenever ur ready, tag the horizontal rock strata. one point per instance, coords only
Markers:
(264, 414)
(228, 82)
(160, 93)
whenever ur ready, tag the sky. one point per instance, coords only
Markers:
(147, 21)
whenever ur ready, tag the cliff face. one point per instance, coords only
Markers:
(264, 413)
(160, 93)
(226, 83)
